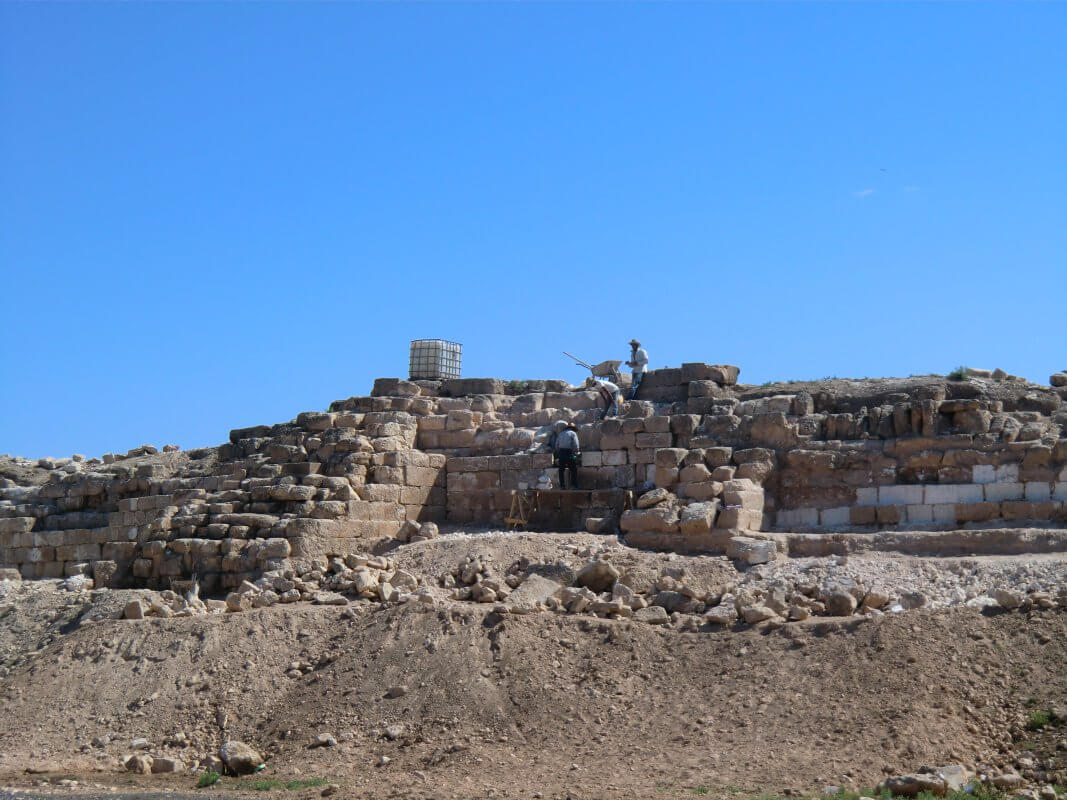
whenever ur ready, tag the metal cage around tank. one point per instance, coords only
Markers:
(434, 359)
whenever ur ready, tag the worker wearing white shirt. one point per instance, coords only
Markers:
(638, 363)
(609, 393)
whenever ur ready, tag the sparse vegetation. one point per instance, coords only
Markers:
(272, 784)
(959, 374)
(208, 778)
(1038, 719)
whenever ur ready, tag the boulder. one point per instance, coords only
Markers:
(239, 758)
(839, 603)
(599, 576)
(134, 610)
(653, 498)
(751, 551)
(1058, 379)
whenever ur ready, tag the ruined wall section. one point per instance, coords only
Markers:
(723, 459)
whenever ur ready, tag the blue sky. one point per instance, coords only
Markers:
(218, 215)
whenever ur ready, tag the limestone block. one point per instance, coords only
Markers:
(834, 517)
(984, 473)
(653, 440)
(723, 473)
(756, 471)
(977, 512)
(575, 401)
(665, 477)
(592, 458)
(421, 476)
(863, 515)
(999, 492)
(1007, 473)
(751, 551)
(433, 422)
(658, 519)
(900, 495)
(749, 500)
(945, 513)
(613, 458)
(740, 518)
(694, 473)
(703, 490)
(17, 524)
(1026, 510)
(920, 514)
(1035, 491)
(461, 420)
(952, 493)
(867, 496)
(315, 420)
(698, 518)
(670, 457)
(797, 518)
(1059, 490)
(890, 515)
(718, 456)
(658, 424)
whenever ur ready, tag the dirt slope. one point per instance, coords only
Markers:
(510, 706)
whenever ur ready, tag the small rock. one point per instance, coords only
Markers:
(839, 603)
(655, 497)
(324, 740)
(396, 691)
(134, 610)
(754, 614)
(139, 743)
(394, 731)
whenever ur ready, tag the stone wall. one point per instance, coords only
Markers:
(838, 455)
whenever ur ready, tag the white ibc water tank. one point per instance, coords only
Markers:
(434, 359)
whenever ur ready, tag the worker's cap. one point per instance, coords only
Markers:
(635, 343)
(559, 424)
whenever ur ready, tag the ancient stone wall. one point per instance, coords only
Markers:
(838, 455)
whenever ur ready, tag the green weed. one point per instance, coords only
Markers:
(208, 778)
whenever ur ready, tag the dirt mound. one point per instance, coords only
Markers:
(465, 702)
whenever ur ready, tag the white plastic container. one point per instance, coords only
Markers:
(434, 359)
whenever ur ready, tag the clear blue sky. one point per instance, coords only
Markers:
(217, 215)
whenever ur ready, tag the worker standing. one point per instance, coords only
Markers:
(609, 392)
(567, 449)
(638, 363)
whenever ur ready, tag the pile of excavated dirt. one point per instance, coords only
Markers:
(460, 700)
